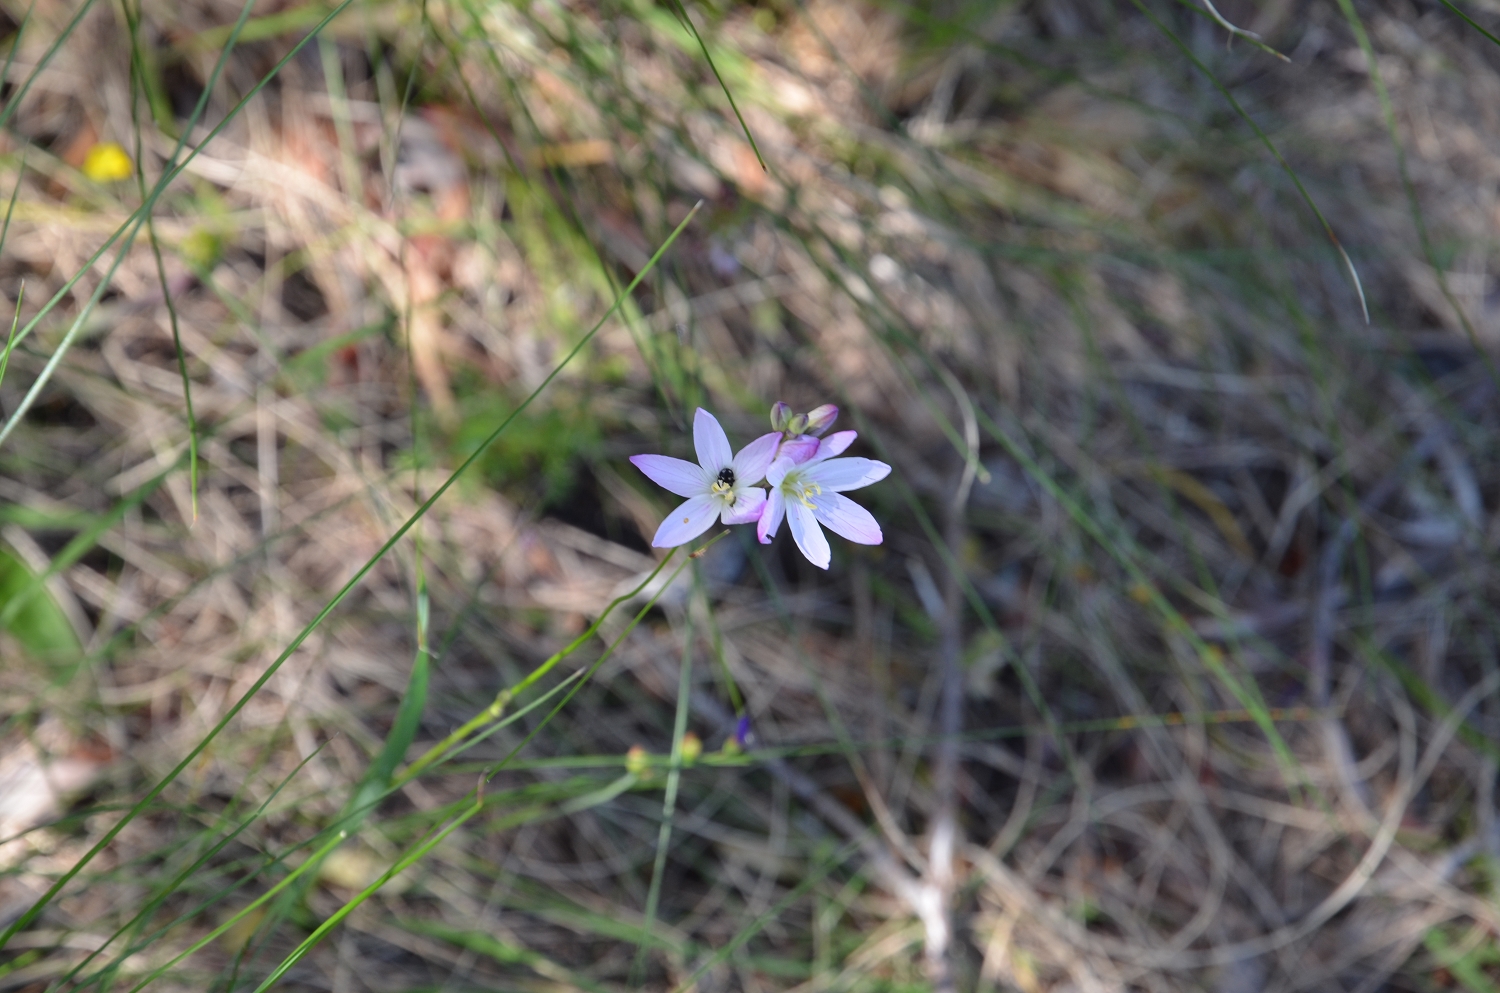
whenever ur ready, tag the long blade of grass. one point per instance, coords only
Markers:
(1265, 140)
(312, 860)
(137, 82)
(10, 339)
(682, 15)
(411, 858)
(1470, 21)
(43, 62)
(81, 544)
(171, 887)
(669, 799)
(36, 908)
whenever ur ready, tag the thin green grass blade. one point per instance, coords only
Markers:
(11, 208)
(411, 858)
(490, 946)
(815, 875)
(669, 800)
(456, 741)
(1247, 694)
(80, 545)
(314, 859)
(138, 78)
(152, 905)
(588, 673)
(15, 44)
(403, 732)
(1470, 21)
(36, 908)
(1265, 140)
(10, 339)
(43, 62)
(682, 15)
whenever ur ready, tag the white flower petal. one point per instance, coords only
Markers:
(834, 444)
(770, 517)
(754, 459)
(687, 522)
(748, 503)
(807, 534)
(778, 471)
(711, 442)
(837, 475)
(848, 519)
(681, 477)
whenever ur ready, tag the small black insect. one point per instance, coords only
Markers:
(726, 476)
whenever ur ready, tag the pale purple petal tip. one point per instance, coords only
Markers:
(683, 478)
(770, 517)
(711, 442)
(847, 519)
(809, 537)
(835, 444)
(837, 475)
(687, 522)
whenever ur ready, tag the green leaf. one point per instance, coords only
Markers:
(38, 623)
(408, 718)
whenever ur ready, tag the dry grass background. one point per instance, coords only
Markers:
(1219, 582)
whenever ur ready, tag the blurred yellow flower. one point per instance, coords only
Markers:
(107, 162)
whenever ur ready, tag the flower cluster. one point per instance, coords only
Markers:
(807, 481)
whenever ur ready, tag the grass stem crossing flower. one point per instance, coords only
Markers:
(721, 485)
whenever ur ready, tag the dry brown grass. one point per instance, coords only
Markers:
(1201, 485)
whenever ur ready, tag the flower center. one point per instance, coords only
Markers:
(803, 491)
(724, 485)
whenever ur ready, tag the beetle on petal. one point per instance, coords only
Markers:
(720, 486)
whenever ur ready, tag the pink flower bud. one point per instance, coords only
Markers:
(820, 419)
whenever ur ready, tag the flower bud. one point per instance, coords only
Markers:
(797, 425)
(820, 419)
(637, 762)
(780, 414)
(692, 748)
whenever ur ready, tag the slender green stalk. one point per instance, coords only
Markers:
(669, 798)
(10, 339)
(409, 859)
(138, 79)
(708, 57)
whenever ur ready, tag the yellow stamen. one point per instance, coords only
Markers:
(724, 489)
